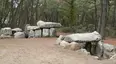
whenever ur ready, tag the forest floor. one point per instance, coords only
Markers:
(43, 51)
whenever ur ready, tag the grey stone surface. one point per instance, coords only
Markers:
(6, 31)
(109, 50)
(105, 51)
(17, 29)
(32, 27)
(94, 36)
(43, 24)
(64, 44)
(74, 46)
(83, 51)
(31, 34)
(52, 32)
(19, 35)
(59, 39)
(37, 33)
(99, 49)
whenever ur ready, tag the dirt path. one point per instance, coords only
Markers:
(41, 51)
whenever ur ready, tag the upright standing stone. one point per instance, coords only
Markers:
(45, 32)
(31, 34)
(52, 32)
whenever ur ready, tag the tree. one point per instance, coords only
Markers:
(103, 18)
(78, 15)
(114, 14)
(68, 10)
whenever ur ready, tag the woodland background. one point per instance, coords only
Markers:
(74, 15)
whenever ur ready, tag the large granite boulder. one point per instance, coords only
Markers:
(37, 33)
(49, 32)
(32, 27)
(31, 34)
(52, 32)
(40, 23)
(108, 51)
(74, 46)
(43, 24)
(6, 31)
(94, 36)
(99, 49)
(19, 35)
(32, 31)
(45, 32)
(17, 30)
(105, 51)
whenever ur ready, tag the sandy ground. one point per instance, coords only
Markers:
(41, 51)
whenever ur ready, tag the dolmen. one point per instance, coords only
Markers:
(43, 29)
(48, 28)
(89, 43)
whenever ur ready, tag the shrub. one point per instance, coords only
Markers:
(110, 32)
(65, 30)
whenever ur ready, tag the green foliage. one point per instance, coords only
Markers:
(68, 12)
(74, 15)
(110, 32)
(65, 30)
(77, 29)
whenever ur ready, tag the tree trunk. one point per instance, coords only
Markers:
(114, 15)
(103, 17)
(95, 18)
(100, 17)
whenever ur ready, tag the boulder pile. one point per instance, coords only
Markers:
(88, 43)
(43, 29)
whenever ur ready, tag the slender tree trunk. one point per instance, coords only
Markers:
(36, 11)
(114, 15)
(100, 17)
(103, 18)
(95, 19)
